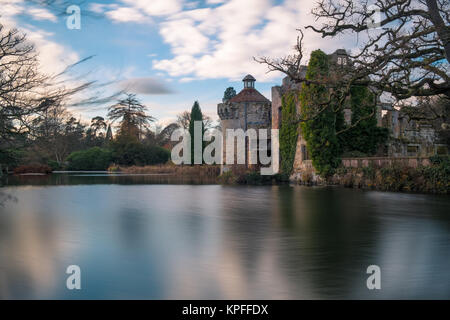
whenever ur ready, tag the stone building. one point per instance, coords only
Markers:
(249, 109)
(338, 59)
(410, 138)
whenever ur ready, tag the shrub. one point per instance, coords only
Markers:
(130, 153)
(92, 159)
(354, 154)
(33, 168)
(53, 164)
(227, 178)
(429, 179)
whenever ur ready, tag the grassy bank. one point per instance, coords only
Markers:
(425, 179)
(251, 178)
(197, 170)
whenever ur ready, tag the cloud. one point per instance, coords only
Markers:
(221, 41)
(139, 11)
(215, 1)
(53, 57)
(18, 7)
(156, 7)
(125, 14)
(146, 86)
(41, 14)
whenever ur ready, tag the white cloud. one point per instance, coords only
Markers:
(125, 14)
(197, 43)
(53, 57)
(12, 8)
(156, 7)
(222, 41)
(41, 14)
(139, 11)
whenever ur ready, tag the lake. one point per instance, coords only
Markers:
(162, 237)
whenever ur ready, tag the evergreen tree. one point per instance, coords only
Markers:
(196, 115)
(132, 115)
(109, 135)
(228, 94)
(319, 130)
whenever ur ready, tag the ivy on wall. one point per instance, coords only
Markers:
(323, 121)
(364, 136)
(288, 131)
(320, 129)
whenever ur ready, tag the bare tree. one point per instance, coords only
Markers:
(184, 118)
(28, 96)
(405, 53)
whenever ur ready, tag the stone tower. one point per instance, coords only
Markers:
(249, 109)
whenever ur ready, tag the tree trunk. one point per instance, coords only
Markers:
(442, 30)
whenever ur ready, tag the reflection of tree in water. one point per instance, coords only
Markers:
(247, 225)
(105, 178)
(132, 226)
(4, 197)
(330, 234)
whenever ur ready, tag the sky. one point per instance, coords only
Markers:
(169, 52)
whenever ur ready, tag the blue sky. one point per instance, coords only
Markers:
(170, 52)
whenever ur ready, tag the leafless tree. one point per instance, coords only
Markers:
(184, 118)
(405, 53)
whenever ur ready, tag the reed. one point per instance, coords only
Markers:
(197, 170)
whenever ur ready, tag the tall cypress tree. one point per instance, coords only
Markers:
(196, 115)
(320, 130)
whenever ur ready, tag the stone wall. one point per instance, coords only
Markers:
(412, 162)
(305, 173)
(276, 107)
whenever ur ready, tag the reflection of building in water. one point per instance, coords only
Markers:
(249, 109)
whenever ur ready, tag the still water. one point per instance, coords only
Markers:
(158, 237)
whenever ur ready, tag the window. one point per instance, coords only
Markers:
(304, 152)
(280, 117)
(249, 84)
(342, 61)
(412, 150)
(441, 150)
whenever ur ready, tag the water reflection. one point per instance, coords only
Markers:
(105, 178)
(153, 240)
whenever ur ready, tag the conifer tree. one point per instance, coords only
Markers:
(196, 115)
